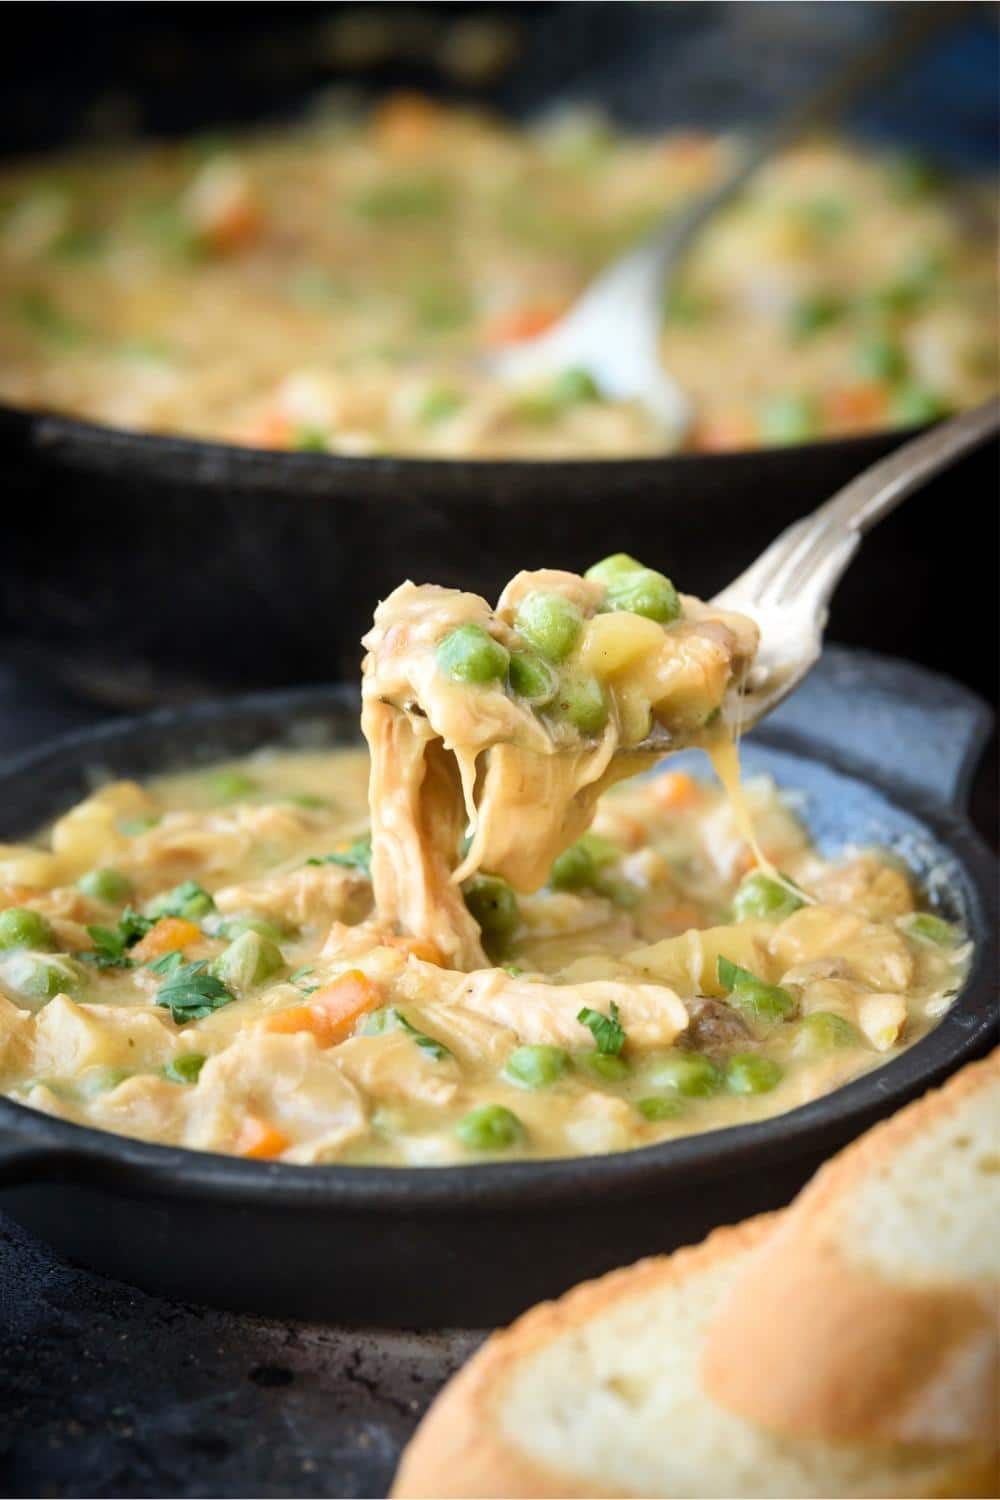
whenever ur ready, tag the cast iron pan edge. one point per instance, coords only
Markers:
(441, 1220)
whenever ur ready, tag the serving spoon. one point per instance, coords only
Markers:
(787, 591)
(612, 330)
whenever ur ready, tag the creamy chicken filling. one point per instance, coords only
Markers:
(507, 725)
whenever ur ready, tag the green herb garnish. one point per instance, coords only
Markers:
(191, 993)
(358, 856)
(111, 944)
(607, 1031)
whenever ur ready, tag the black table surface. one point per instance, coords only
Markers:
(108, 1391)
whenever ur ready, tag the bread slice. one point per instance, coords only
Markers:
(873, 1312)
(598, 1394)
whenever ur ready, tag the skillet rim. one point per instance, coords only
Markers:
(207, 456)
(64, 1150)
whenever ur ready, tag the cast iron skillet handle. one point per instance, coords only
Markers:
(887, 714)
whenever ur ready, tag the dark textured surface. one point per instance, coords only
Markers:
(107, 1391)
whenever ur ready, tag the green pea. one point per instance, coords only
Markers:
(573, 870)
(185, 1068)
(607, 1066)
(105, 885)
(580, 865)
(913, 176)
(613, 567)
(229, 786)
(550, 622)
(491, 1127)
(102, 1081)
(532, 678)
(535, 1067)
(621, 892)
(469, 654)
(645, 592)
(913, 405)
(880, 358)
(310, 440)
(21, 928)
(758, 999)
(810, 315)
(685, 308)
(583, 702)
(308, 800)
(749, 1073)
(493, 905)
(133, 827)
(825, 215)
(274, 932)
(249, 960)
(932, 929)
(540, 408)
(760, 896)
(689, 1073)
(824, 1031)
(438, 405)
(787, 418)
(35, 978)
(575, 385)
(660, 1107)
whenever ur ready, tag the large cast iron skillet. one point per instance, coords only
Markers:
(473, 1244)
(146, 567)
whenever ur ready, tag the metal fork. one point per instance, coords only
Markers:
(787, 590)
(612, 330)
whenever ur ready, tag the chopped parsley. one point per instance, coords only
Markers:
(191, 993)
(388, 1019)
(188, 900)
(357, 856)
(299, 975)
(428, 1044)
(167, 963)
(607, 1031)
(111, 944)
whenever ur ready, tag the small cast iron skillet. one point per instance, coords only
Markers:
(473, 1244)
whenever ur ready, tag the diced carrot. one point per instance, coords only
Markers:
(676, 790)
(723, 433)
(682, 917)
(405, 122)
(260, 1140)
(690, 145)
(237, 224)
(169, 935)
(521, 323)
(274, 430)
(856, 405)
(331, 1013)
(744, 863)
(417, 947)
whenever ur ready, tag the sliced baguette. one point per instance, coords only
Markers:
(598, 1394)
(872, 1313)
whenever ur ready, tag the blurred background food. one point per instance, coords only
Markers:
(329, 287)
(287, 227)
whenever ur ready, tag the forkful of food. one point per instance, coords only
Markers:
(494, 731)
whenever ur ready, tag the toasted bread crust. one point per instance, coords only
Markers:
(459, 1449)
(850, 1356)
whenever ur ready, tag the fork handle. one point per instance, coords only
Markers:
(880, 489)
(805, 563)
